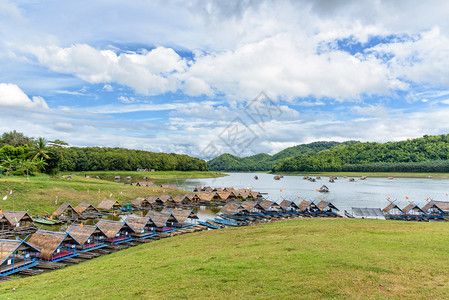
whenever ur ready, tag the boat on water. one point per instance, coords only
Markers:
(46, 221)
(256, 177)
(208, 225)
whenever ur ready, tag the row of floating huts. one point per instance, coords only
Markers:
(432, 210)
(43, 246)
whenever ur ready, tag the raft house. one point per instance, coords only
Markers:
(254, 208)
(89, 237)
(164, 222)
(143, 227)
(327, 209)
(413, 212)
(181, 216)
(289, 207)
(87, 211)
(393, 212)
(109, 206)
(116, 232)
(53, 246)
(433, 211)
(16, 255)
(66, 213)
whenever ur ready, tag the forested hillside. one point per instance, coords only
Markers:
(265, 162)
(426, 154)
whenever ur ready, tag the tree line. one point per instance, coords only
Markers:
(426, 154)
(22, 155)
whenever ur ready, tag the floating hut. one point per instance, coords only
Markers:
(413, 212)
(143, 227)
(164, 222)
(87, 211)
(181, 200)
(89, 237)
(223, 196)
(234, 210)
(167, 200)
(181, 216)
(367, 213)
(324, 189)
(205, 198)
(271, 208)
(109, 205)
(65, 213)
(16, 256)
(53, 246)
(256, 195)
(327, 208)
(15, 222)
(308, 208)
(141, 203)
(443, 205)
(154, 201)
(117, 232)
(254, 208)
(289, 207)
(393, 212)
(433, 211)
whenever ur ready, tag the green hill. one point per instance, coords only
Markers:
(265, 162)
(426, 154)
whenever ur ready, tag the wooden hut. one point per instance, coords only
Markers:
(143, 227)
(109, 205)
(66, 213)
(116, 232)
(14, 221)
(164, 222)
(141, 203)
(256, 195)
(154, 201)
(327, 208)
(167, 200)
(234, 210)
(443, 205)
(413, 212)
(53, 246)
(89, 237)
(254, 208)
(16, 255)
(393, 212)
(87, 211)
(271, 208)
(205, 198)
(308, 208)
(433, 211)
(207, 189)
(289, 207)
(181, 200)
(181, 216)
(223, 195)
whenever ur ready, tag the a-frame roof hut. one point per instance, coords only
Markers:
(444, 205)
(66, 212)
(15, 256)
(233, 208)
(179, 199)
(16, 218)
(205, 197)
(223, 195)
(116, 231)
(268, 205)
(141, 202)
(289, 206)
(325, 205)
(392, 211)
(88, 236)
(252, 206)
(142, 226)
(307, 207)
(53, 245)
(433, 210)
(86, 208)
(109, 205)
(414, 212)
(181, 215)
(154, 201)
(166, 198)
(161, 219)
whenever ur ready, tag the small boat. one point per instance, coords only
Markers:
(44, 221)
(277, 177)
(255, 177)
(225, 222)
(208, 225)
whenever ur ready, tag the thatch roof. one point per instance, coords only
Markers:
(82, 234)
(249, 205)
(48, 241)
(304, 205)
(256, 194)
(82, 207)
(64, 206)
(223, 195)
(151, 199)
(160, 219)
(205, 197)
(267, 204)
(323, 204)
(8, 247)
(108, 204)
(390, 207)
(141, 202)
(111, 228)
(430, 205)
(286, 204)
(443, 205)
(169, 186)
(181, 199)
(181, 215)
(15, 217)
(166, 198)
(233, 208)
(412, 206)
(138, 223)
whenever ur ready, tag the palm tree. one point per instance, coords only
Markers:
(40, 164)
(40, 149)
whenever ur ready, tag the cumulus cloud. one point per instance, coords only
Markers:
(12, 95)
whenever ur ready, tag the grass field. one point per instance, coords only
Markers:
(371, 174)
(310, 258)
(159, 175)
(38, 195)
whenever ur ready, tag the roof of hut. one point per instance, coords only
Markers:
(443, 205)
(64, 206)
(323, 204)
(232, 207)
(181, 215)
(266, 204)
(82, 234)
(14, 217)
(287, 203)
(228, 189)
(108, 204)
(411, 206)
(138, 223)
(151, 199)
(390, 207)
(256, 194)
(205, 196)
(82, 207)
(166, 198)
(248, 205)
(170, 186)
(48, 241)
(189, 196)
(160, 219)
(140, 202)
(179, 198)
(7, 247)
(304, 204)
(223, 195)
(110, 228)
(431, 204)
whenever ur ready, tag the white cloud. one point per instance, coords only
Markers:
(12, 95)
(108, 88)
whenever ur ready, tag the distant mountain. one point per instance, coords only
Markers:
(265, 162)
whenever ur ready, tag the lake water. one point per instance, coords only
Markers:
(371, 192)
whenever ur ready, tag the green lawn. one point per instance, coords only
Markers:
(310, 258)
(38, 195)
(371, 174)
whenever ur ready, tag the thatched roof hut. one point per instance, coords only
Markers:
(414, 212)
(433, 211)
(233, 208)
(307, 207)
(109, 205)
(88, 236)
(166, 198)
(327, 208)
(141, 202)
(443, 205)
(66, 212)
(15, 256)
(86, 208)
(268, 205)
(179, 199)
(13, 219)
(223, 195)
(205, 197)
(161, 219)
(252, 206)
(181, 215)
(115, 231)
(140, 225)
(289, 206)
(154, 201)
(54, 246)
(392, 211)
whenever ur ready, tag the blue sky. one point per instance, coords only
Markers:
(176, 76)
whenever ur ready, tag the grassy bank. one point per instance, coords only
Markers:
(312, 258)
(38, 195)
(370, 174)
(159, 175)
